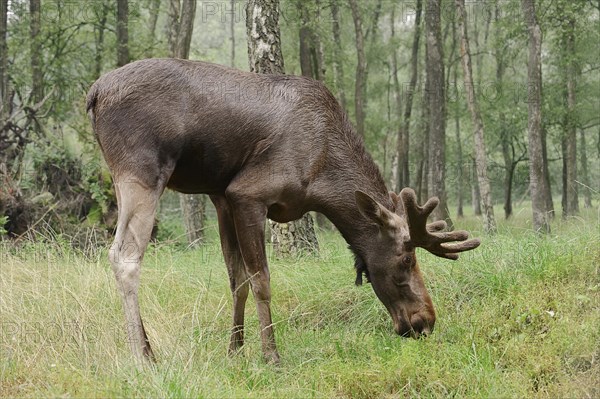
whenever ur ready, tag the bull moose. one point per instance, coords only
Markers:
(261, 146)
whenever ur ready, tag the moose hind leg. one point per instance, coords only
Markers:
(238, 279)
(137, 206)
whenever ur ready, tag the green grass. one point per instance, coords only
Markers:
(518, 317)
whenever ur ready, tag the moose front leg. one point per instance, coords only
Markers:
(238, 279)
(249, 217)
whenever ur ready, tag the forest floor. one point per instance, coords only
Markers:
(518, 317)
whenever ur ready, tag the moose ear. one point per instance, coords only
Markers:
(398, 205)
(372, 209)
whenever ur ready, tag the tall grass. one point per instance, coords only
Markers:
(518, 317)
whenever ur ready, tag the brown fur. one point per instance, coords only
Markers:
(262, 146)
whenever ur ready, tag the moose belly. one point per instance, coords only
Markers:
(193, 177)
(284, 212)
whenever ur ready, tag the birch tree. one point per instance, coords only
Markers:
(489, 222)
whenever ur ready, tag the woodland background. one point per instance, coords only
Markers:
(374, 58)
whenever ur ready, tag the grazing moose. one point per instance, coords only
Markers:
(261, 146)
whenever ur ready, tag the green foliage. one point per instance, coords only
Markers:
(3, 221)
(78, 43)
(98, 183)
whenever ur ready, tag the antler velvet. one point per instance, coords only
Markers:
(430, 236)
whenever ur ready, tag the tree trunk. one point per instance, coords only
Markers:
(436, 103)
(193, 210)
(264, 37)
(360, 88)
(100, 29)
(570, 197)
(3, 61)
(186, 28)
(152, 21)
(37, 84)
(265, 56)
(232, 35)
(402, 150)
(510, 173)
(489, 221)
(537, 183)
(508, 167)
(452, 67)
(338, 70)
(505, 137)
(587, 192)
(422, 173)
(397, 176)
(122, 32)
(318, 50)
(306, 63)
(475, 195)
(173, 25)
(563, 150)
(547, 186)
(459, 154)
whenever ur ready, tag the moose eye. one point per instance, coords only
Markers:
(407, 260)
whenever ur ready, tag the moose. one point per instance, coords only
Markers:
(261, 146)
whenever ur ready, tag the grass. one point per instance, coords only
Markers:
(517, 317)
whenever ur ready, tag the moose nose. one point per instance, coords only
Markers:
(420, 325)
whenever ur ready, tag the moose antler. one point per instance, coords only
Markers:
(429, 236)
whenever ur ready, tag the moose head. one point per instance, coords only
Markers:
(392, 267)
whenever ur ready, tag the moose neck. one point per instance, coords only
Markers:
(351, 168)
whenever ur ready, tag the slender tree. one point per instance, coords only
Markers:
(546, 169)
(3, 61)
(152, 21)
(232, 34)
(571, 71)
(186, 28)
(173, 17)
(122, 32)
(587, 193)
(338, 69)
(37, 87)
(504, 132)
(403, 139)
(311, 47)
(436, 104)
(265, 56)
(489, 221)
(421, 181)
(318, 48)
(459, 150)
(305, 36)
(99, 30)
(396, 182)
(537, 183)
(360, 88)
